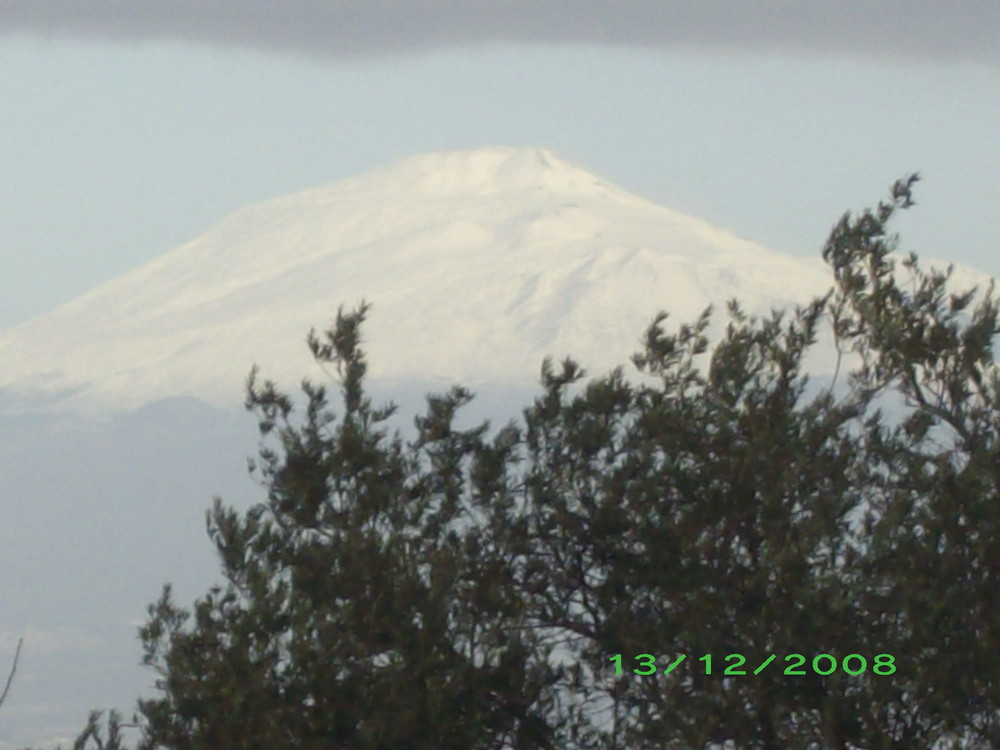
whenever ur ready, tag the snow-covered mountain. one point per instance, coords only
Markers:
(478, 264)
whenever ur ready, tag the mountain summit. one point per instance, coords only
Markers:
(477, 263)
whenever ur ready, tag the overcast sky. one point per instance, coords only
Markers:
(129, 126)
(916, 29)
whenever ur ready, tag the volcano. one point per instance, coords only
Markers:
(477, 264)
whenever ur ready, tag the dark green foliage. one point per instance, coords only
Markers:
(466, 591)
(366, 606)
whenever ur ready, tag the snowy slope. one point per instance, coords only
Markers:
(478, 264)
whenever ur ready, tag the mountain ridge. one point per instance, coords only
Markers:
(478, 264)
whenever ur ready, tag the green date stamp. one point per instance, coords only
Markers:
(795, 664)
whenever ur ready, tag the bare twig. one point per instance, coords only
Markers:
(13, 669)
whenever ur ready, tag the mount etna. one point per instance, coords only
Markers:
(477, 263)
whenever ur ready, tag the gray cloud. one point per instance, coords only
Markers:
(960, 30)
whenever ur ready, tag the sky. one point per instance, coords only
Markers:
(128, 127)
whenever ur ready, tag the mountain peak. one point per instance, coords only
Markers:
(492, 169)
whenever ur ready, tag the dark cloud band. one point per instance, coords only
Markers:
(911, 29)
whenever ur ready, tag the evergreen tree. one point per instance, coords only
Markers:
(475, 590)
(367, 604)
